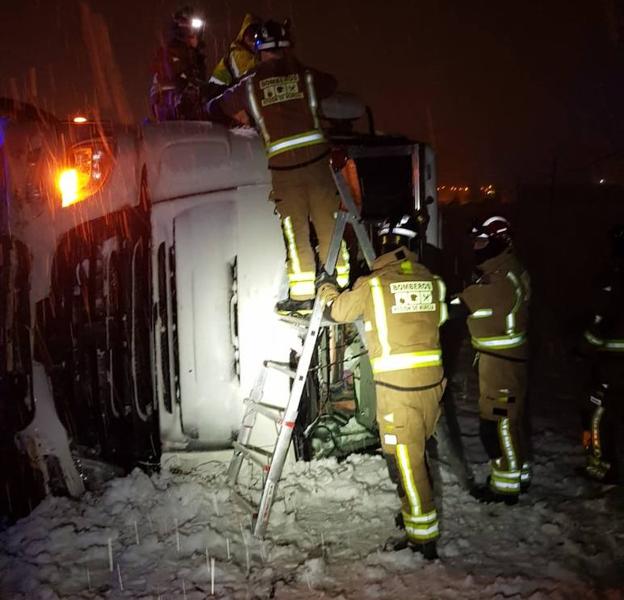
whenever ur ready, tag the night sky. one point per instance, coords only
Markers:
(502, 89)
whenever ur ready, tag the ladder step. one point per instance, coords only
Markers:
(252, 453)
(271, 406)
(274, 413)
(304, 322)
(282, 367)
(244, 503)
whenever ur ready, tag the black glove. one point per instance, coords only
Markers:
(325, 277)
(457, 309)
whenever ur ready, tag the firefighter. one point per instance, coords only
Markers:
(282, 97)
(604, 339)
(498, 306)
(240, 58)
(403, 306)
(179, 82)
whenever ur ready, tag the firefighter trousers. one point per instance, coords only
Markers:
(502, 391)
(406, 420)
(604, 423)
(302, 195)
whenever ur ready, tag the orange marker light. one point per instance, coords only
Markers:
(67, 184)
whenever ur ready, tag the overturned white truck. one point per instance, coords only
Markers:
(139, 269)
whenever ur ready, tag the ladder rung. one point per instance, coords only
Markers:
(243, 502)
(271, 412)
(271, 406)
(282, 367)
(293, 320)
(252, 451)
(304, 322)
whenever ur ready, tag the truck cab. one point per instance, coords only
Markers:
(139, 272)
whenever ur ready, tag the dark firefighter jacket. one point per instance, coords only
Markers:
(281, 96)
(403, 306)
(180, 73)
(499, 303)
(605, 336)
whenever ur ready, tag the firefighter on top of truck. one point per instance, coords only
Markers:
(603, 340)
(498, 303)
(282, 97)
(179, 75)
(403, 306)
(240, 58)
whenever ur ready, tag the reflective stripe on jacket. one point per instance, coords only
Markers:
(499, 306)
(403, 306)
(606, 333)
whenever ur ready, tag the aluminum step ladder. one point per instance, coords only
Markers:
(272, 463)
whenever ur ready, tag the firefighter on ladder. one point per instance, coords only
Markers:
(604, 339)
(498, 319)
(403, 306)
(282, 98)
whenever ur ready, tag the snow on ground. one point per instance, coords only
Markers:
(565, 539)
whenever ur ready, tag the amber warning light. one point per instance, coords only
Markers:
(88, 166)
(67, 183)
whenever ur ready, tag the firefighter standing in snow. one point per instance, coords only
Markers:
(179, 79)
(604, 422)
(281, 95)
(403, 306)
(498, 305)
(240, 58)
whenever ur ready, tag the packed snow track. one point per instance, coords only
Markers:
(142, 537)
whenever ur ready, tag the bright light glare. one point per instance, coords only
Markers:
(196, 23)
(602, 181)
(68, 185)
(80, 119)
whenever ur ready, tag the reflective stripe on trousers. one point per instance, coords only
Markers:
(506, 481)
(418, 526)
(342, 268)
(300, 283)
(596, 467)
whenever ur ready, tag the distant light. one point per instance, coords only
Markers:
(603, 181)
(68, 185)
(80, 120)
(196, 23)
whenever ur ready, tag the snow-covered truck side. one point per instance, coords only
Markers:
(152, 279)
(140, 270)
